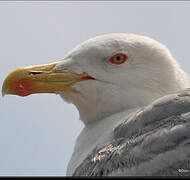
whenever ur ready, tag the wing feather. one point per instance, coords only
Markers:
(154, 141)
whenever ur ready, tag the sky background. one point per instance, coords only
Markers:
(38, 132)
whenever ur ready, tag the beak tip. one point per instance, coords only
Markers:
(5, 88)
(3, 91)
(3, 94)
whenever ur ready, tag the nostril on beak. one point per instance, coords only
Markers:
(35, 72)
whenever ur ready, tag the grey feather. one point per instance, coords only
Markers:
(154, 140)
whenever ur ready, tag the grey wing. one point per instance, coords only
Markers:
(154, 141)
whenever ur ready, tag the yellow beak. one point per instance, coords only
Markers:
(40, 79)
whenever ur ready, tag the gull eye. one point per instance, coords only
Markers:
(118, 58)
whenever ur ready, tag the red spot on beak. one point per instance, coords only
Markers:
(22, 87)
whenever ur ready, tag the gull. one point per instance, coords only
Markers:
(133, 98)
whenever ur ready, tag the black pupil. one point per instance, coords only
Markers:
(118, 58)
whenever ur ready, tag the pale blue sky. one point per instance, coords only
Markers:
(37, 133)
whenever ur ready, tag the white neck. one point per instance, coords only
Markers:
(93, 136)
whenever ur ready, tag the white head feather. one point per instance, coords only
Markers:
(149, 73)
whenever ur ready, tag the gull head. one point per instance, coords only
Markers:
(104, 75)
